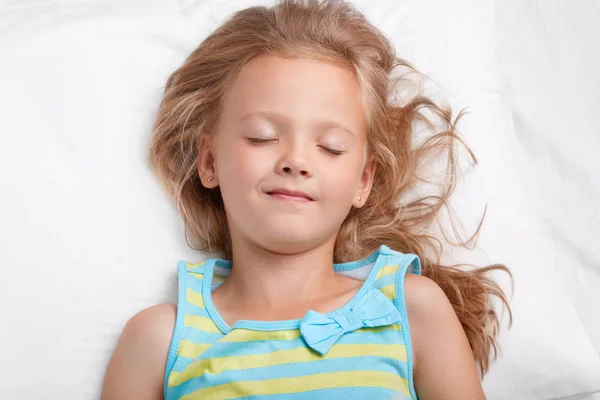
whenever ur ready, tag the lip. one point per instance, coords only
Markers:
(288, 194)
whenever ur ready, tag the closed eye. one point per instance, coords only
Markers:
(258, 140)
(332, 151)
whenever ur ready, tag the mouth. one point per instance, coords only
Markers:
(290, 195)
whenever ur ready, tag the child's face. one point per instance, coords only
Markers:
(302, 108)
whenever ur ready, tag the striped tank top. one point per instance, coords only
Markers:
(359, 351)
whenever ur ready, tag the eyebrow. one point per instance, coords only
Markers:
(282, 119)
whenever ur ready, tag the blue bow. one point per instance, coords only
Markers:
(321, 331)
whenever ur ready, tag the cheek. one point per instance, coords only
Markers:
(241, 168)
(340, 184)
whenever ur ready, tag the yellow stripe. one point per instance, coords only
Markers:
(173, 376)
(219, 364)
(387, 270)
(218, 278)
(190, 349)
(190, 265)
(196, 275)
(377, 329)
(389, 291)
(245, 335)
(194, 298)
(202, 323)
(298, 384)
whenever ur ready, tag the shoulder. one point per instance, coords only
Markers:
(153, 321)
(136, 369)
(149, 331)
(418, 287)
(424, 298)
(442, 356)
(429, 311)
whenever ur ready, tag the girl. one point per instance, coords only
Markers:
(279, 144)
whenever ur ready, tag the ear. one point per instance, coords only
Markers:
(207, 169)
(365, 184)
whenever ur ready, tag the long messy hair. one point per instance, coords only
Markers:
(335, 32)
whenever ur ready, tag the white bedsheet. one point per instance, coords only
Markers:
(87, 238)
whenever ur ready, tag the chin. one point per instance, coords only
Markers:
(290, 244)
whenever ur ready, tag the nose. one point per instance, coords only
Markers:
(293, 161)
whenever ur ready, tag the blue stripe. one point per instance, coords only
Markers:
(337, 394)
(290, 370)
(194, 283)
(181, 363)
(199, 336)
(192, 310)
(384, 281)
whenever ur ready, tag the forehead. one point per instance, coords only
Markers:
(303, 89)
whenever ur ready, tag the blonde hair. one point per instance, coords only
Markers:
(334, 32)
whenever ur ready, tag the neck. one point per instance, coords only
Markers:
(262, 279)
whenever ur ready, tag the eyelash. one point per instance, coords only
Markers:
(331, 151)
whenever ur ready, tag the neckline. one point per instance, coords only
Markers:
(376, 258)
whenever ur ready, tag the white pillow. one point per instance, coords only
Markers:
(89, 238)
(551, 56)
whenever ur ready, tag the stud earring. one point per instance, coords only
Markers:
(359, 199)
(210, 178)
